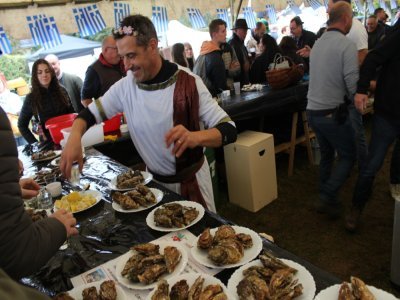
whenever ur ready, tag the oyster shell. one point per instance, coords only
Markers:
(261, 272)
(147, 249)
(195, 290)
(245, 240)
(189, 215)
(175, 215)
(108, 290)
(345, 292)
(253, 287)
(125, 201)
(211, 291)
(224, 232)
(205, 240)
(179, 291)
(152, 273)
(89, 293)
(273, 263)
(129, 179)
(172, 257)
(162, 291)
(360, 289)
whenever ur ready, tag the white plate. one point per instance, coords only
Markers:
(156, 192)
(56, 154)
(190, 279)
(140, 286)
(56, 162)
(96, 194)
(76, 293)
(303, 276)
(332, 293)
(146, 175)
(200, 255)
(150, 217)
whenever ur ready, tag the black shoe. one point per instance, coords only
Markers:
(353, 219)
(331, 209)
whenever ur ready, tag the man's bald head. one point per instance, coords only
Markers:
(54, 62)
(341, 16)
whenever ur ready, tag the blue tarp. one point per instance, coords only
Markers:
(70, 47)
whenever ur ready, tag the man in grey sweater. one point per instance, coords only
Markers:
(333, 79)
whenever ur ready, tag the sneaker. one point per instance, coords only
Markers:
(333, 210)
(395, 190)
(353, 219)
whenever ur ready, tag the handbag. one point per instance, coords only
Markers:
(284, 72)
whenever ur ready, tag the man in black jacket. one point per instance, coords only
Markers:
(237, 42)
(386, 122)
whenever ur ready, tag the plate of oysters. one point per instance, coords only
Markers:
(138, 199)
(190, 286)
(45, 155)
(272, 278)
(175, 216)
(145, 264)
(106, 289)
(356, 290)
(129, 180)
(226, 246)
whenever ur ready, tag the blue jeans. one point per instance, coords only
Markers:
(359, 132)
(395, 164)
(382, 136)
(333, 137)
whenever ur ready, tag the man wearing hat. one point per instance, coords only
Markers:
(302, 37)
(237, 42)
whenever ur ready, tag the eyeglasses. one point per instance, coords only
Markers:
(114, 48)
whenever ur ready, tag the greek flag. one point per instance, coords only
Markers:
(196, 18)
(315, 4)
(326, 3)
(44, 31)
(160, 19)
(5, 45)
(382, 4)
(293, 6)
(370, 7)
(121, 10)
(222, 13)
(271, 13)
(393, 4)
(359, 5)
(249, 16)
(89, 20)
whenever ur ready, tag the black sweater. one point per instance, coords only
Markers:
(387, 55)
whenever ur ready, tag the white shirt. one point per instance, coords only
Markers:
(358, 34)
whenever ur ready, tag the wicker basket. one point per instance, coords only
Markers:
(281, 78)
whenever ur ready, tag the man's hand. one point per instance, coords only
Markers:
(29, 188)
(67, 219)
(71, 153)
(360, 102)
(182, 139)
(304, 52)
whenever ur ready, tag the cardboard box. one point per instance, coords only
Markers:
(250, 170)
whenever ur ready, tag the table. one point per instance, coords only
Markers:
(105, 234)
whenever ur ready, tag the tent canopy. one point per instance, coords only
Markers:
(71, 47)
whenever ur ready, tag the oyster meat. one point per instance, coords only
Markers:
(172, 257)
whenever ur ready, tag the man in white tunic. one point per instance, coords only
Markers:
(164, 106)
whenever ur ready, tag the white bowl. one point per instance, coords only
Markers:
(54, 188)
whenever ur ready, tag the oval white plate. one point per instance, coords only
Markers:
(76, 293)
(157, 193)
(140, 286)
(200, 255)
(146, 176)
(56, 162)
(190, 279)
(303, 276)
(332, 293)
(96, 194)
(56, 154)
(150, 217)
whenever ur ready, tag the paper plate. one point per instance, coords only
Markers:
(201, 255)
(157, 193)
(150, 217)
(76, 293)
(303, 276)
(146, 176)
(190, 279)
(332, 293)
(140, 286)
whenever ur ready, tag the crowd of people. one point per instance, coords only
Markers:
(131, 76)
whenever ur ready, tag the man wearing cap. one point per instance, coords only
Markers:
(301, 36)
(237, 42)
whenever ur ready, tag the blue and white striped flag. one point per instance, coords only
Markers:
(382, 4)
(121, 10)
(393, 4)
(160, 19)
(44, 31)
(89, 20)
(222, 13)
(326, 3)
(5, 45)
(196, 18)
(359, 5)
(250, 17)
(315, 4)
(370, 7)
(271, 13)
(293, 6)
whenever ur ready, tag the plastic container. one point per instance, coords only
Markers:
(93, 136)
(56, 124)
(112, 124)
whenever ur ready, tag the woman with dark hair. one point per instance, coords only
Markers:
(189, 55)
(47, 99)
(269, 48)
(289, 48)
(178, 55)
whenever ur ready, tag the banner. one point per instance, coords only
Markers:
(222, 13)
(121, 10)
(196, 18)
(89, 20)
(44, 31)
(5, 45)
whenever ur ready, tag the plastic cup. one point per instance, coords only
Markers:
(45, 201)
(236, 85)
(54, 189)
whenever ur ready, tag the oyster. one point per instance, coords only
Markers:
(189, 215)
(125, 201)
(129, 179)
(211, 291)
(151, 260)
(205, 239)
(152, 273)
(137, 197)
(162, 291)
(146, 193)
(172, 257)
(228, 251)
(179, 291)
(345, 292)
(174, 215)
(253, 287)
(273, 263)
(195, 290)
(360, 289)
(282, 285)
(245, 240)
(262, 272)
(224, 232)
(89, 293)
(147, 249)
(108, 291)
